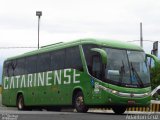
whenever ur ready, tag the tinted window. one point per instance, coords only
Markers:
(6, 68)
(20, 67)
(44, 62)
(31, 64)
(57, 59)
(97, 67)
(9, 68)
(73, 59)
(88, 55)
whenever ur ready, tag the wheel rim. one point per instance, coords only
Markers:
(79, 102)
(20, 103)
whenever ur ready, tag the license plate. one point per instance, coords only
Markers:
(131, 102)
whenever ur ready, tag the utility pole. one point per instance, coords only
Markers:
(141, 36)
(39, 14)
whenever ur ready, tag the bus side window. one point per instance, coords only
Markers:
(43, 62)
(96, 67)
(58, 59)
(20, 67)
(73, 59)
(9, 68)
(6, 68)
(31, 64)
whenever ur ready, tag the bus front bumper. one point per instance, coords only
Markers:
(142, 101)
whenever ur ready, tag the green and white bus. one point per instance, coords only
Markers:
(86, 73)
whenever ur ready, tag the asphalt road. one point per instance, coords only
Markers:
(39, 115)
(14, 114)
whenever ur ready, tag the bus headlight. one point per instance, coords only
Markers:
(146, 94)
(114, 92)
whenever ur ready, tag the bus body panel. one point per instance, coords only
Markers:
(56, 87)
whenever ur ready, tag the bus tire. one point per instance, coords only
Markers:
(79, 103)
(20, 102)
(119, 109)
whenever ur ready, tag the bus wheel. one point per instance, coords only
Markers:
(20, 102)
(79, 103)
(119, 109)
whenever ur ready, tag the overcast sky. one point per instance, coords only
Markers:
(65, 20)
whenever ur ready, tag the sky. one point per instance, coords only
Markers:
(66, 20)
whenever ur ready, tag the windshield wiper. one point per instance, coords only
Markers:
(139, 80)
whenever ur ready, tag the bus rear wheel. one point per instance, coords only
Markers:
(119, 109)
(79, 102)
(20, 102)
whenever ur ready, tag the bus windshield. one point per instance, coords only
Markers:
(127, 68)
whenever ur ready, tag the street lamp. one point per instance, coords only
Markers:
(39, 14)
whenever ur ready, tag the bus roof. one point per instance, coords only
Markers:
(61, 45)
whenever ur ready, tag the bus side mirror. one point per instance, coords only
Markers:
(102, 53)
(156, 60)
